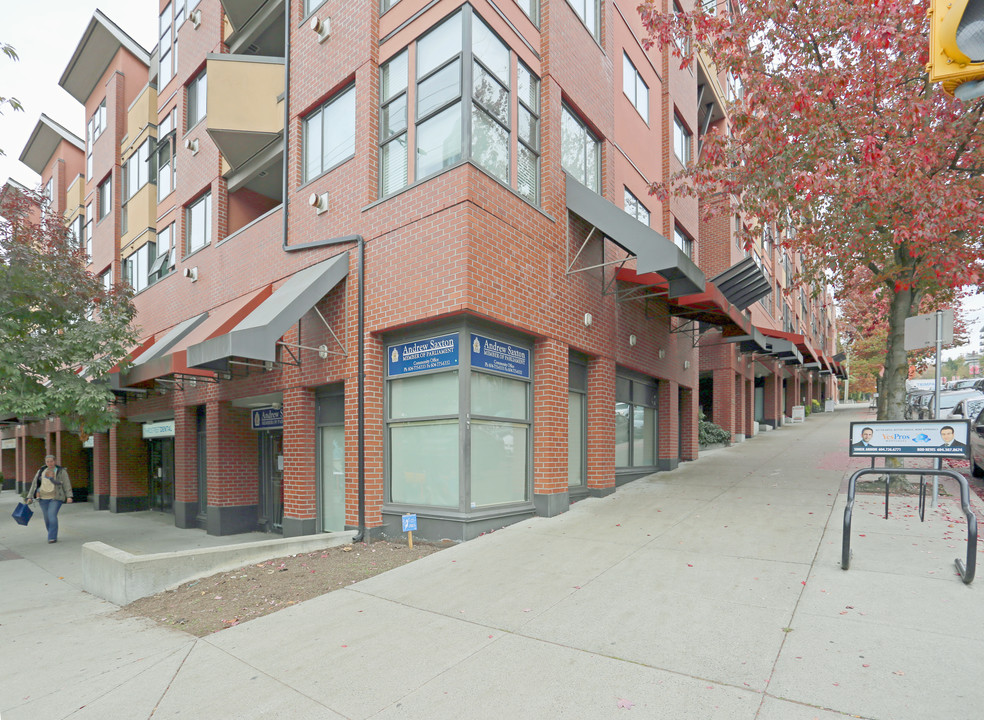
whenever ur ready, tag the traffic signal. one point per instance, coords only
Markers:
(956, 46)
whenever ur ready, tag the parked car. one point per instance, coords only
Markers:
(912, 403)
(977, 445)
(968, 408)
(948, 399)
(961, 384)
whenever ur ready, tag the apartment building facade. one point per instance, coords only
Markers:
(400, 257)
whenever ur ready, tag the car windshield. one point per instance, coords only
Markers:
(948, 400)
(973, 407)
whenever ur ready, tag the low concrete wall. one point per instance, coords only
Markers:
(121, 577)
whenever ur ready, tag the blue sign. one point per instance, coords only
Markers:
(409, 522)
(430, 354)
(268, 419)
(489, 354)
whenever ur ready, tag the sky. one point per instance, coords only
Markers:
(45, 34)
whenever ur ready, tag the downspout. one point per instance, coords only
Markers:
(361, 243)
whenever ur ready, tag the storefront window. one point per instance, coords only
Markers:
(636, 423)
(424, 462)
(622, 423)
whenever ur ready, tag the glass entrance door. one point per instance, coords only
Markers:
(272, 480)
(332, 451)
(201, 463)
(160, 454)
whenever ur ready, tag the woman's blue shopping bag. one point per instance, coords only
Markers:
(22, 514)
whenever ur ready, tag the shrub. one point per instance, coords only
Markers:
(709, 433)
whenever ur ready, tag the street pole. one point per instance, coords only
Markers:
(939, 350)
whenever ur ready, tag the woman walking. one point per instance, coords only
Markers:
(51, 487)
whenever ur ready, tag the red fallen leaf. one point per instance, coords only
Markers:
(344, 646)
(865, 665)
(802, 582)
(689, 565)
(862, 535)
(623, 703)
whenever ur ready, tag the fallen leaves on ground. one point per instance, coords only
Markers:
(227, 599)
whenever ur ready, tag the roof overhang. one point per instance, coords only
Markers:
(100, 42)
(653, 252)
(255, 336)
(44, 140)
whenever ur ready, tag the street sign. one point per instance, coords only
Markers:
(920, 331)
(409, 522)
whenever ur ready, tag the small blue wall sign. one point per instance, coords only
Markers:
(410, 522)
(430, 354)
(268, 419)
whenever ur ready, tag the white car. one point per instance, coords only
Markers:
(968, 408)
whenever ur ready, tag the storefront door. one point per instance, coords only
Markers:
(202, 464)
(161, 486)
(272, 480)
(331, 459)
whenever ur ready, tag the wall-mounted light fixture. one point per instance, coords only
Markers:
(588, 319)
(661, 353)
(686, 364)
(633, 340)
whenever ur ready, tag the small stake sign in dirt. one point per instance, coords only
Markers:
(409, 525)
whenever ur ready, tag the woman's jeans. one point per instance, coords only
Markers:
(49, 509)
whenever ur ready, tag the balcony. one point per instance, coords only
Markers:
(255, 27)
(242, 130)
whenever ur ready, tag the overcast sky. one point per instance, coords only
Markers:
(45, 33)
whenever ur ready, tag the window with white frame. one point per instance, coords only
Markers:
(197, 96)
(735, 89)
(139, 168)
(329, 134)
(136, 268)
(384, 5)
(447, 112)
(166, 71)
(531, 8)
(106, 279)
(198, 224)
(588, 11)
(166, 172)
(682, 241)
(104, 197)
(682, 140)
(88, 231)
(580, 150)
(710, 6)
(634, 88)
(78, 231)
(635, 208)
(163, 264)
(94, 128)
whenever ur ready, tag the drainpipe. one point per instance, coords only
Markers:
(361, 244)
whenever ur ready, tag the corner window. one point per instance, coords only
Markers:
(681, 141)
(588, 11)
(197, 95)
(137, 266)
(635, 208)
(634, 88)
(104, 197)
(580, 150)
(163, 264)
(683, 242)
(198, 224)
(447, 113)
(329, 134)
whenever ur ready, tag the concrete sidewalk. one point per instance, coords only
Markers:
(713, 591)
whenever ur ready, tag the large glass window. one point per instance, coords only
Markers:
(166, 71)
(681, 141)
(329, 134)
(580, 151)
(577, 425)
(197, 100)
(634, 88)
(447, 111)
(635, 208)
(636, 423)
(198, 223)
(587, 10)
(140, 168)
(498, 447)
(136, 268)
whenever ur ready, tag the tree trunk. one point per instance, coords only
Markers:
(891, 396)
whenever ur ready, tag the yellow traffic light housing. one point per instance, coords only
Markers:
(956, 44)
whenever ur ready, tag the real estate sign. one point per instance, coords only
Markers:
(916, 438)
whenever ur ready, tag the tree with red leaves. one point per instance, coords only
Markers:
(839, 134)
(62, 330)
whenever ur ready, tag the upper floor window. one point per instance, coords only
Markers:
(166, 71)
(97, 123)
(447, 112)
(164, 262)
(166, 172)
(588, 11)
(198, 223)
(49, 196)
(104, 195)
(710, 6)
(383, 7)
(88, 231)
(136, 268)
(635, 208)
(683, 242)
(107, 279)
(531, 8)
(78, 231)
(580, 150)
(329, 134)
(735, 89)
(140, 168)
(682, 141)
(635, 89)
(197, 95)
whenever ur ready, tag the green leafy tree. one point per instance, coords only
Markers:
(62, 330)
(838, 134)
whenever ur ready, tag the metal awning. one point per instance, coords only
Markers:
(255, 336)
(743, 283)
(653, 252)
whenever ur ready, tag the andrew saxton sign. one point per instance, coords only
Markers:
(917, 438)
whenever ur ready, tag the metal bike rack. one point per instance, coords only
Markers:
(966, 571)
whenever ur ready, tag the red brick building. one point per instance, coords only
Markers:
(400, 257)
